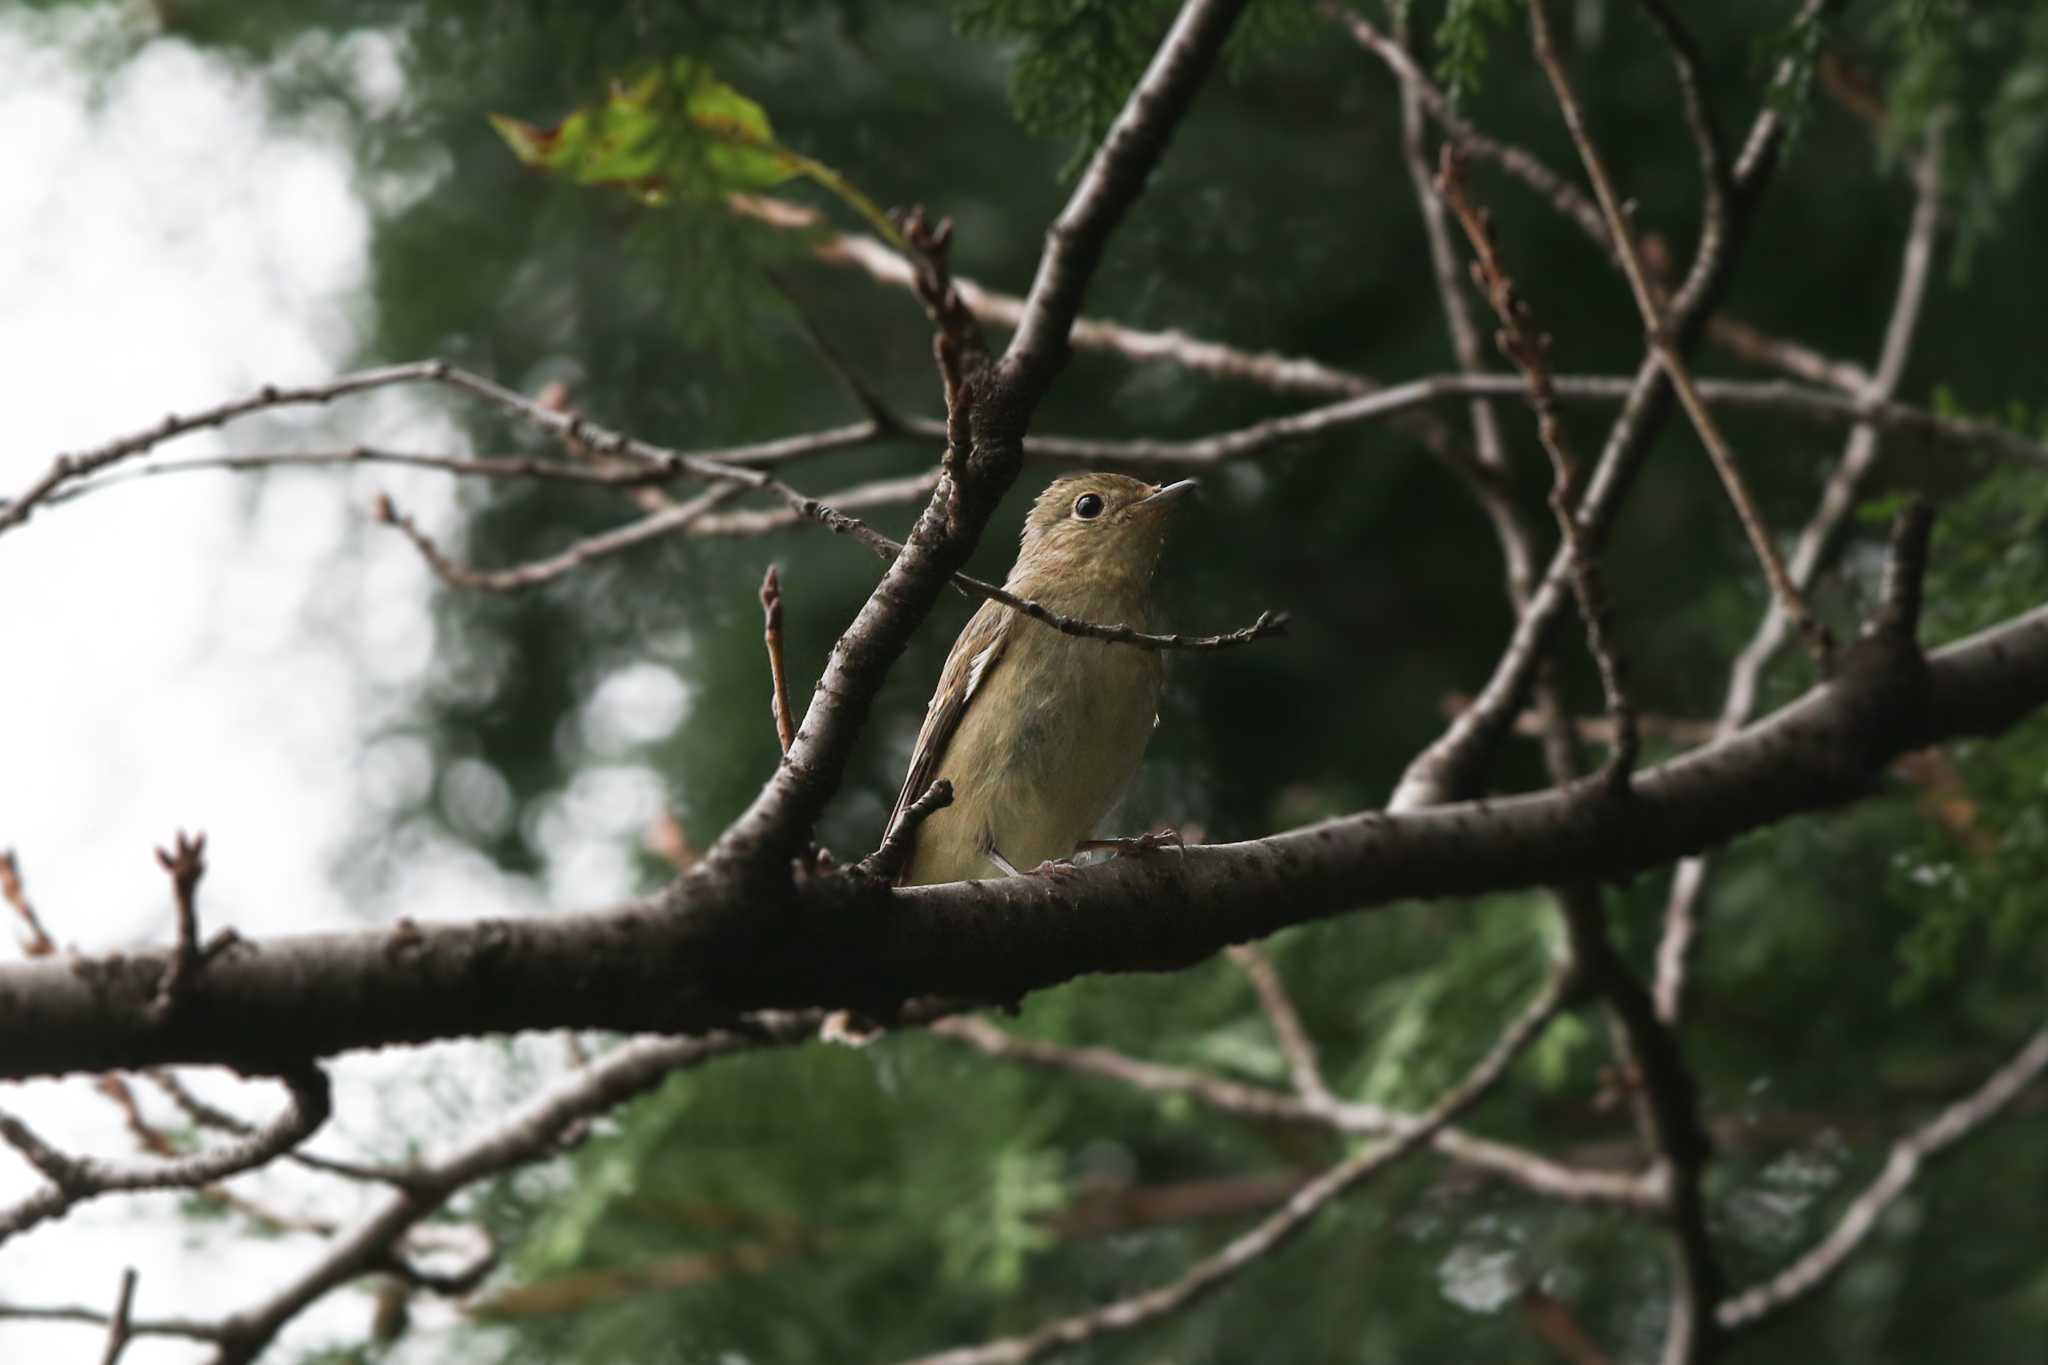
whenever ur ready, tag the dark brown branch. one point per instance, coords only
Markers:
(710, 949)
(1587, 390)
(1272, 1233)
(1905, 573)
(119, 1328)
(186, 865)
(887, 860)
(681, 517)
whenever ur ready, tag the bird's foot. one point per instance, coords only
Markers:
(1058, 870)
(1142, 844)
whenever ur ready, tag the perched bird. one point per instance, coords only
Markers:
(1040, 731)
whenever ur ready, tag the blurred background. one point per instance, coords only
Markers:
(207, 197)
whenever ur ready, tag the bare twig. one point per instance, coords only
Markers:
(119, 1328)
(803, 508)
(68, 468)
(206, 1115)
(1518, 1166)
(1268, 369)
(186, 865)
(1519, 162)
(1838, 496)
(771, 634)
(1905, 574)
(1794, 358)
(1680, 730)
(14, 891)
(190, 1329)
(1908, 1156)
(1662, 341)
(888, 858)
(1529, 350)
(1303, 1066)
(76, 1179)
(1275, 1231)
(1803, 402)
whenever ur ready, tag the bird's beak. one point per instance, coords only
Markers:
(1166, 494)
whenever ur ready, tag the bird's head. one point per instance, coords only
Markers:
(1098, 526)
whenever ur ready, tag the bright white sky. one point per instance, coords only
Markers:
(207, 652)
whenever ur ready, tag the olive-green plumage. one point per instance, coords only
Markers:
(1039, 731)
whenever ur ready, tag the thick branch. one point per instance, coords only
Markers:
(709, 949)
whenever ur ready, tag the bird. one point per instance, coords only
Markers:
(1040, 731)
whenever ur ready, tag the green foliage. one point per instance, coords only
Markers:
(1976, 76)
(1975, 876)
(1463, 36)
(677, 131)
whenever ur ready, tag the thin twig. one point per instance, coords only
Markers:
(14, 891)
(1820, 406)
(1516, 1165)
(1519, 162)
(206, 1115)
(887, 859)
(190, 1329)
(186, 865)
(1298, 1212)
(1303, 1065)
(1794, 358)
(1908, 1156)
(1838, 497)
(803, 508)
(76, 1179)
(1529, 349)
(771, 634)
(1663, 343)
(1268, 369)
(119, 1328)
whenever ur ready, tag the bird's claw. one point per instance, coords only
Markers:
(1137, 846)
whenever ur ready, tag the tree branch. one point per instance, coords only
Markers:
(73, 1180)
(708, 950)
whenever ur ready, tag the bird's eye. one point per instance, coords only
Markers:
(1088, 506)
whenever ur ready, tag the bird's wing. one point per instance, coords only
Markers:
(974, 655)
